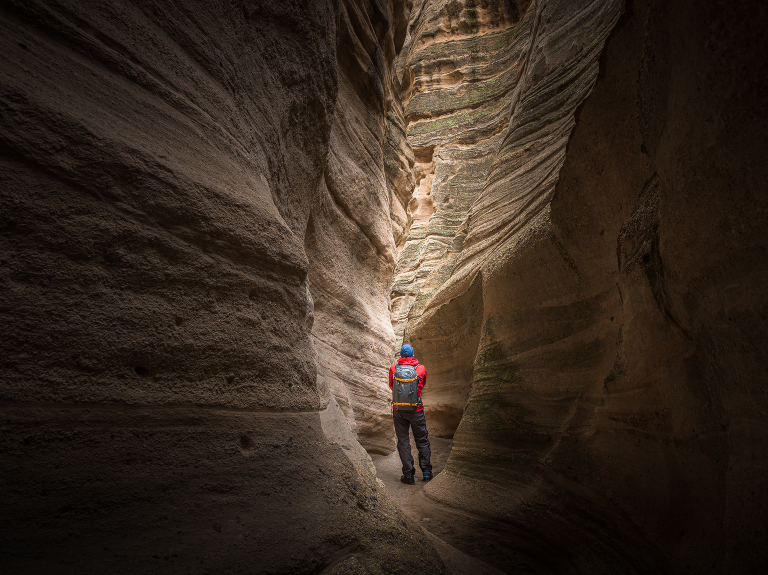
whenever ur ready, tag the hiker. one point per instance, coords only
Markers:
(409, 379)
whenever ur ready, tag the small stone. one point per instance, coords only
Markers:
(230, 378)
(83, 363)
(289, 443)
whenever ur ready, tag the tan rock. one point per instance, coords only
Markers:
(609, 284)
(350, 238)
(196, 250)
(459, 64)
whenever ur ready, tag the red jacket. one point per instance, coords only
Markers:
(421, 372)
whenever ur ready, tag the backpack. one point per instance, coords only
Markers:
(405, 388)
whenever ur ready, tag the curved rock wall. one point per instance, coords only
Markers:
(493, 105)
(178, 182)
(460, 64)
(350, 238)
(606, 302)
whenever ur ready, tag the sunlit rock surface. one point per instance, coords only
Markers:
(460, 65)
(350, 238)
(605, 309)
(195, 249)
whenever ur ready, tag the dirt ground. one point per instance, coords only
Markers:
(439, 522)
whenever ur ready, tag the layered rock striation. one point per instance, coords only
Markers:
(196, 241)
(604, 309)
(203, 208)
(351, 233)
(459, 65)
(502, 97)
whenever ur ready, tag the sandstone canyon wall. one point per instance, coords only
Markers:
(459, 69)
(603, 308)
(203, 207)
(350, 239)
(197, 235)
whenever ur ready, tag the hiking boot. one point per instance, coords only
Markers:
(408, 479)
(427, 475)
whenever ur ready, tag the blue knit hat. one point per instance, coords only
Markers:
(406, 351)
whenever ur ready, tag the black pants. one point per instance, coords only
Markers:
(415, 419)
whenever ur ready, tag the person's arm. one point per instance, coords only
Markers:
(391, 374)
(421, 371)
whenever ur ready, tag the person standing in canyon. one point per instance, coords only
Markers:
(406, 380)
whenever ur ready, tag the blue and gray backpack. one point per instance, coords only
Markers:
(405, 388)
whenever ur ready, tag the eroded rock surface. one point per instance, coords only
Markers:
(460, 65)
(605, 308)
(350, 237)
(202, 206)
(195, 224)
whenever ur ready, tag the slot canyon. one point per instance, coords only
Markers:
(219, 221)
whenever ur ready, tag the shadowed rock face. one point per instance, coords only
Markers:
(191, 192)
(604, 313)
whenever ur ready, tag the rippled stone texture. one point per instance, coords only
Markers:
(460, 64)
(606, 304)
(350, 238)
(182, 183)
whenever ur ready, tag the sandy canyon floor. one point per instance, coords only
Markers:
(454, 533)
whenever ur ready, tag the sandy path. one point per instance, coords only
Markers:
(437, 520)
